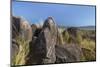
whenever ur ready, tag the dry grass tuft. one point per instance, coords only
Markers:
(20, 58)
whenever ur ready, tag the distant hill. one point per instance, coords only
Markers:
(87, 27)
(80, 27)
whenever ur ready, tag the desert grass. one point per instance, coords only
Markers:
(20, 58)
(87, 43)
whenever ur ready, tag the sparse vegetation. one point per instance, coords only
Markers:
(20, 58)
(85, 39)
(66, 36)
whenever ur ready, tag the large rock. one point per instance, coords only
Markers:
(25, 30)
(45, 47)
(68, 53)
(47, 40)
(22, 28)
(15, 26)
(43, 43)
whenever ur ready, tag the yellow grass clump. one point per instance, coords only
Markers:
(20, 58)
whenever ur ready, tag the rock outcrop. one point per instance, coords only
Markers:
(45, 47)
(14, 48)
(15, 26)
(45, 41)
(22, 28)
(44, 44)
(68, 53)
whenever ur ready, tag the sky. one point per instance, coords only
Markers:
(63, 14)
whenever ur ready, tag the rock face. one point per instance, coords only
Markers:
(25, 30)
(63, 55)
(50, 39)
(14, 48)
(68, 53)
(15, 26)
(45, 47)
(45, 41)
(22, 28)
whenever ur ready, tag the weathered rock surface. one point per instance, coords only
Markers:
(26, 30)
(22, 28)
(50, 35)
(15, 26)
(45, 47)
(44, 44)
(68, 53)
(14, 48)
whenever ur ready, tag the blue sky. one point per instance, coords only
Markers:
(67, 15)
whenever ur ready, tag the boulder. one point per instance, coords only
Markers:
(15, 26)
(22, 28)
(43, 47)
(68, 53)
(25, 30)
(47, 40)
